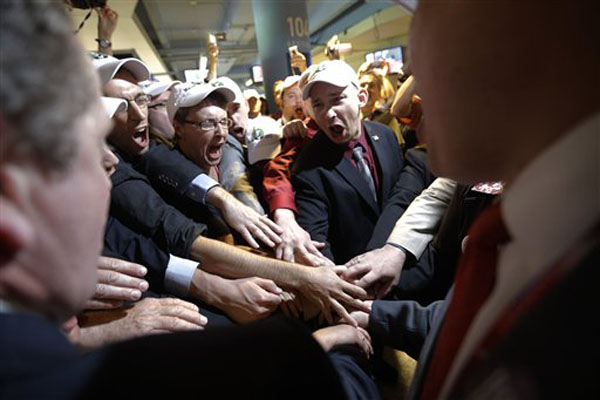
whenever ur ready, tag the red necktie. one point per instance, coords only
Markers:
(474, 281)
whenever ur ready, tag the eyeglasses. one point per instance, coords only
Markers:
(210, 124)
(162, 104)
(141, 101)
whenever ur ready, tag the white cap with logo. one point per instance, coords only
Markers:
(335, 72)
(264, 140)
(190, 94)
(231, 85)
(155, 88)
(108, 67)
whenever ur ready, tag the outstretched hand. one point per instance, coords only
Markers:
(380, 269)
(250, 224)
(296, 244)
(338, 335)
(324, 288)
(251, 299)
(118, 281)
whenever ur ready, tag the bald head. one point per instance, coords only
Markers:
(495, 94)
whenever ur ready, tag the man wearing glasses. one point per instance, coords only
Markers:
(130, 134)
(199, 114)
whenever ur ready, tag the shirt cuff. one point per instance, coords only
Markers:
(403, 249)
(282, 201)
(178, 276)
(199, 187)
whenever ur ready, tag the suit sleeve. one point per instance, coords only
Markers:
(313, 211)
(121, 242)
(414, 177)
(404, 324)
(138, 206)
(419, 223)
(169, 170)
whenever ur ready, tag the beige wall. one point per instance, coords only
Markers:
(128, 35)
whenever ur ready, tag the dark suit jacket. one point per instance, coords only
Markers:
(167, 169)
(414, 178)
(272, 359)
(404, 324)
(170, 173)
(38, 362)
(135, 203)
(121, 242)
(334, 203)
(551, 350)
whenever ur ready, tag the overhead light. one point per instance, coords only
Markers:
(193, 2)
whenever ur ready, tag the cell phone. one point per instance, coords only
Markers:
(212, 39)
(293, 50)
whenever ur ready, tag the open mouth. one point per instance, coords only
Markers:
(237, 130)
(214, 152)
(299, 112)
(337, 130)
(140, 136)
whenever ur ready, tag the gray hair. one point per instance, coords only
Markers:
(47, 82)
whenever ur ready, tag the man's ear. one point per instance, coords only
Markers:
(16, 229)
(178, 127)
(363, 96)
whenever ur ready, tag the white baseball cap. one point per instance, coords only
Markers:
(289, 81)
(264, 140)
(335, 72)
(154, 88)
(190, 94)
(249, 93)
(231, 85)
(112, 105)
(108, 66)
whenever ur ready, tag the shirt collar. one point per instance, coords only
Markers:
(556, 198)
(361, 139)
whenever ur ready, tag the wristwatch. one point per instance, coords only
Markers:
(104, 43)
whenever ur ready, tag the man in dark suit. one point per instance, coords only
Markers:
(345, 177)
(526, 332)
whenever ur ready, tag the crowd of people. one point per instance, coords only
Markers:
(452, 214)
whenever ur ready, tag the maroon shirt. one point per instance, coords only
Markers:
(368, 154)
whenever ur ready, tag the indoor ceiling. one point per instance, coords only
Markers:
(178, 29)
(170, 35)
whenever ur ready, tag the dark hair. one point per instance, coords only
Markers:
(47, 81)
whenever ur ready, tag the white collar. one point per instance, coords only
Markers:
(559, 188)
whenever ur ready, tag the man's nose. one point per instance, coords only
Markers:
(135, 112)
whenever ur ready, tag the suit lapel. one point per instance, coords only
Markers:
(351, 175)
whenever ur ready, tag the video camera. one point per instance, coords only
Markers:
(86, 4)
